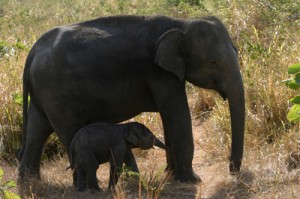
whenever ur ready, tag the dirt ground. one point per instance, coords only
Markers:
(58, 181)
(216, 183)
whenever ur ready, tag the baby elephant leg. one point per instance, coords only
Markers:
(80, 179)
(91, 177)
(90, 166)
(116, 164)
(129, 161)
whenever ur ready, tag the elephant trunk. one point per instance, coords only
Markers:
(234, 90)
(159, 144)
(237, 113)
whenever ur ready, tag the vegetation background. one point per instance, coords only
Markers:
(267, 34)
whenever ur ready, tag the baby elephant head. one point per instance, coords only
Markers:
(140, 136)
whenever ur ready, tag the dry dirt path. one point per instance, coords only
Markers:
(214, 172)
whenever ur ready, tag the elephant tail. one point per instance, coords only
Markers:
(71, 157)
(26, 90)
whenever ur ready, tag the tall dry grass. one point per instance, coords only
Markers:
(267, 35)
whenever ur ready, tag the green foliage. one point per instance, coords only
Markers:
(127, 171)
(3, 48)
(18, 99)
(294, 113)
(294, 83)
(295, 100)
(294, 69)
(5, 188)
(199, 3)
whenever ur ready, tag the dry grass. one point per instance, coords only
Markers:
(264, 174)
(267, 35)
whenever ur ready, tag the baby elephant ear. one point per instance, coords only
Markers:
(130, 137)
(170, 53)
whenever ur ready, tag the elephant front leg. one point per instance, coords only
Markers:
(114, 176)
(170, 160)
(178, 134)
(129, 161)
(116, 164)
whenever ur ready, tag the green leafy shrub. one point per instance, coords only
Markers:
(5, 187)
(294, 83)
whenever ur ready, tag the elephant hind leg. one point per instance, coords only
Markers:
(81, 179)
(88, 165)
(38, 130)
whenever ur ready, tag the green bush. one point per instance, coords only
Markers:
(294, 83)
(5, 188)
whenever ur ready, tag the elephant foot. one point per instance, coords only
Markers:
(91, 190)
(28, 183)
(80, 188)
(187, 176)
(95, 190)
(234, 168)
(28, 174)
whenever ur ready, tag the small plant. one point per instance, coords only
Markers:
(5, 187)
(154, 183)
(150, 185)
(294, 83)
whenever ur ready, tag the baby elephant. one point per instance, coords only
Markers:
(99, 143)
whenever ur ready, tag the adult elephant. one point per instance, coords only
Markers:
(113, 68)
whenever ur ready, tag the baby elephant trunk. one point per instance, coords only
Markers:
(159, 144)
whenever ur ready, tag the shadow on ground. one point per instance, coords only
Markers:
(175, 189)
(240, 187)
(36, 189)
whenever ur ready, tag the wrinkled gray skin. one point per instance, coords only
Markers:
(102, 142)
(113, 68)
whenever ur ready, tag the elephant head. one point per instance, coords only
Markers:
(204, 54)
(140, 136)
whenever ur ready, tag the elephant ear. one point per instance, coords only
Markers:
(131, 137)
(170, 53)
